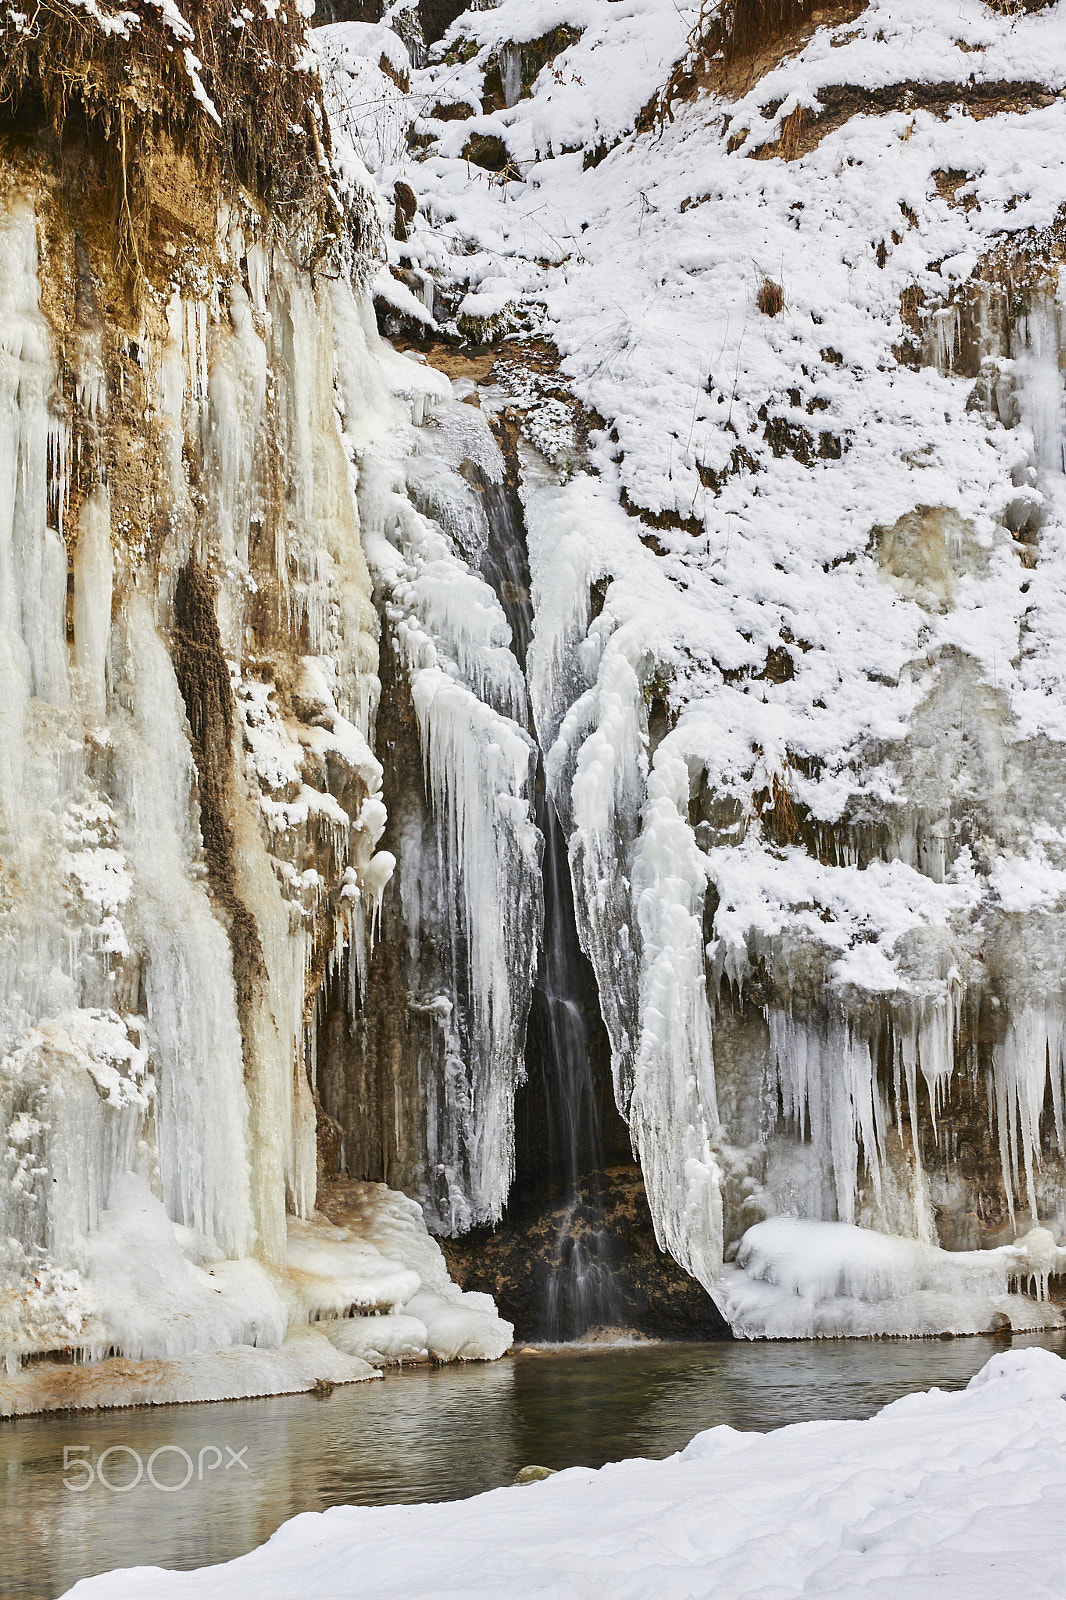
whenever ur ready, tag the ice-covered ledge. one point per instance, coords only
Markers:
(363, 1288)
(797, 1279)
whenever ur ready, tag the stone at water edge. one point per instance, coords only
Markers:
(533, 1474)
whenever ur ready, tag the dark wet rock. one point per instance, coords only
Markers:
(650, 1294)
(486, 150)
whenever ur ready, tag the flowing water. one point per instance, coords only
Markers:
(566, 1049)
(420, 1434)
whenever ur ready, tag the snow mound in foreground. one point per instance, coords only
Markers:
(961, 1495)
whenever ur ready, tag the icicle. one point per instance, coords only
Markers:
(33, 561)
(1037, 348)
(478, 772)
(202, 1114)
(1032, 1048)
(673, 1111)
(233, 426)
(944, 337)
(823, 1067)
(93, 569)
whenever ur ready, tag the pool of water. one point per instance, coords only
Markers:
(419, 1434)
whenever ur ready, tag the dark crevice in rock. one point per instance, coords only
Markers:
(608, 1217)
(203, 679)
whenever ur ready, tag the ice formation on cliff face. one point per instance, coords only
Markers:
(796, 658)
(429, 1097)
(795, 673)
(190, 814)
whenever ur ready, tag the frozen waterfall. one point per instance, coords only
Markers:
(190, 814)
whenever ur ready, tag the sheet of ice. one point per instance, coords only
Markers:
(239, 1372)
(953, 1493)
(148, 1156)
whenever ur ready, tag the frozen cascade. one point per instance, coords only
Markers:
(581, 1291)
(858, 1090)
(32, 555)
(466, 905)
(563, 1047)
(187, 840)
(219, 973)
(797, 657)
(202, 1115)
(589, 701)
(93, 581)
(1037, 349)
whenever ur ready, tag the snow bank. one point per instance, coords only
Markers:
(797, 1279)
(962, 1495)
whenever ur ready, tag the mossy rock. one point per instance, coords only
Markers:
(534, 1474)
(487, 330)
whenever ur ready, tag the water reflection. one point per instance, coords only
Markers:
(417, 1435)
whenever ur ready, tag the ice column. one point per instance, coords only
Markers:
(93, 569)
(202, 1116)
(673, 1111)
(33, 561)
(639, 877)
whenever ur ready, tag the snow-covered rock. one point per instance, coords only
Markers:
(798, 640)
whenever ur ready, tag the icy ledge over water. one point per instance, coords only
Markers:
(938, 1493)
(369, 1287)
(796, 1279)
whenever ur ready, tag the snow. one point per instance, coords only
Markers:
(361, 97)
(799, 1279)
(959, 1494)
(818, 493)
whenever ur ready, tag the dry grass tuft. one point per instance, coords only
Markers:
(790, 142)
(911, 301)
(792, 134)
(750, 25)
(124, 93)
(770, 298)
(782, 822)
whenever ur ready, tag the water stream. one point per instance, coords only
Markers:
(420, 1434)
(560, 1125)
